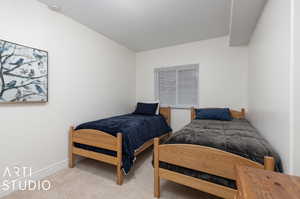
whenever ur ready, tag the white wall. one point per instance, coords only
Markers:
(222, 74)
(269, 64)
(90, 77)
(296, 89)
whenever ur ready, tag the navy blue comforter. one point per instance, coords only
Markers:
(136, 130)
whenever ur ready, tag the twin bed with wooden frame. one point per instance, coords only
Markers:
(104, 140)
(204, 159)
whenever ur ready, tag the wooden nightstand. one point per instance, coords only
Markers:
(261, 184)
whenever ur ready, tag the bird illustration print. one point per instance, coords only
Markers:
(19, 62)
(23, 73)
(39, 89)
(11, 84)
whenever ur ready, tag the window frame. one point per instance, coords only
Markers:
(177, 68)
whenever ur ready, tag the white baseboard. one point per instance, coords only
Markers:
(39, 175)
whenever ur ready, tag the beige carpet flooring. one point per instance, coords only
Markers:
(95, 180)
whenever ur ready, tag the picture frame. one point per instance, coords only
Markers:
(23, 74)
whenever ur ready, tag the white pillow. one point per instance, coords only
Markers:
(152, 102)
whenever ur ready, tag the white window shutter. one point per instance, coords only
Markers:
(187, 84)
(177, 86)
(167, 87)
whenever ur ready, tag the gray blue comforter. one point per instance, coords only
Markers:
(237, 136)
(136, 130)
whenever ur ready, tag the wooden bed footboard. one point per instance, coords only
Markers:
(99, 139)
(200, 158)
(104, 140)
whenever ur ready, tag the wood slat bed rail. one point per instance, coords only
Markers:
(202, 185)
(205, 159)
(235, 114)
(148, 144)
(95, 138)
(96, 156)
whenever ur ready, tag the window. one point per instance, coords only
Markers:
(177, 86)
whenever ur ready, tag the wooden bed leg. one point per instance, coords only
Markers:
(119, 157)
(71, 155)
(156, 168)
(269, 163)
(243, 113)
(193, 113)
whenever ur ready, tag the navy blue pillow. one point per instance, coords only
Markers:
(146, 108)
(213, 114)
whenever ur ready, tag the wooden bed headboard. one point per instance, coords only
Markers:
(234, 113)
(166, 112)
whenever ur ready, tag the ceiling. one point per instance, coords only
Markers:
(244, 17)
(149, 24)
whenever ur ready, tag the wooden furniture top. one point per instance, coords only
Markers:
(261, 184)
(235, 114)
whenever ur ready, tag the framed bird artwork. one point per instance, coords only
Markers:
(23, 74)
